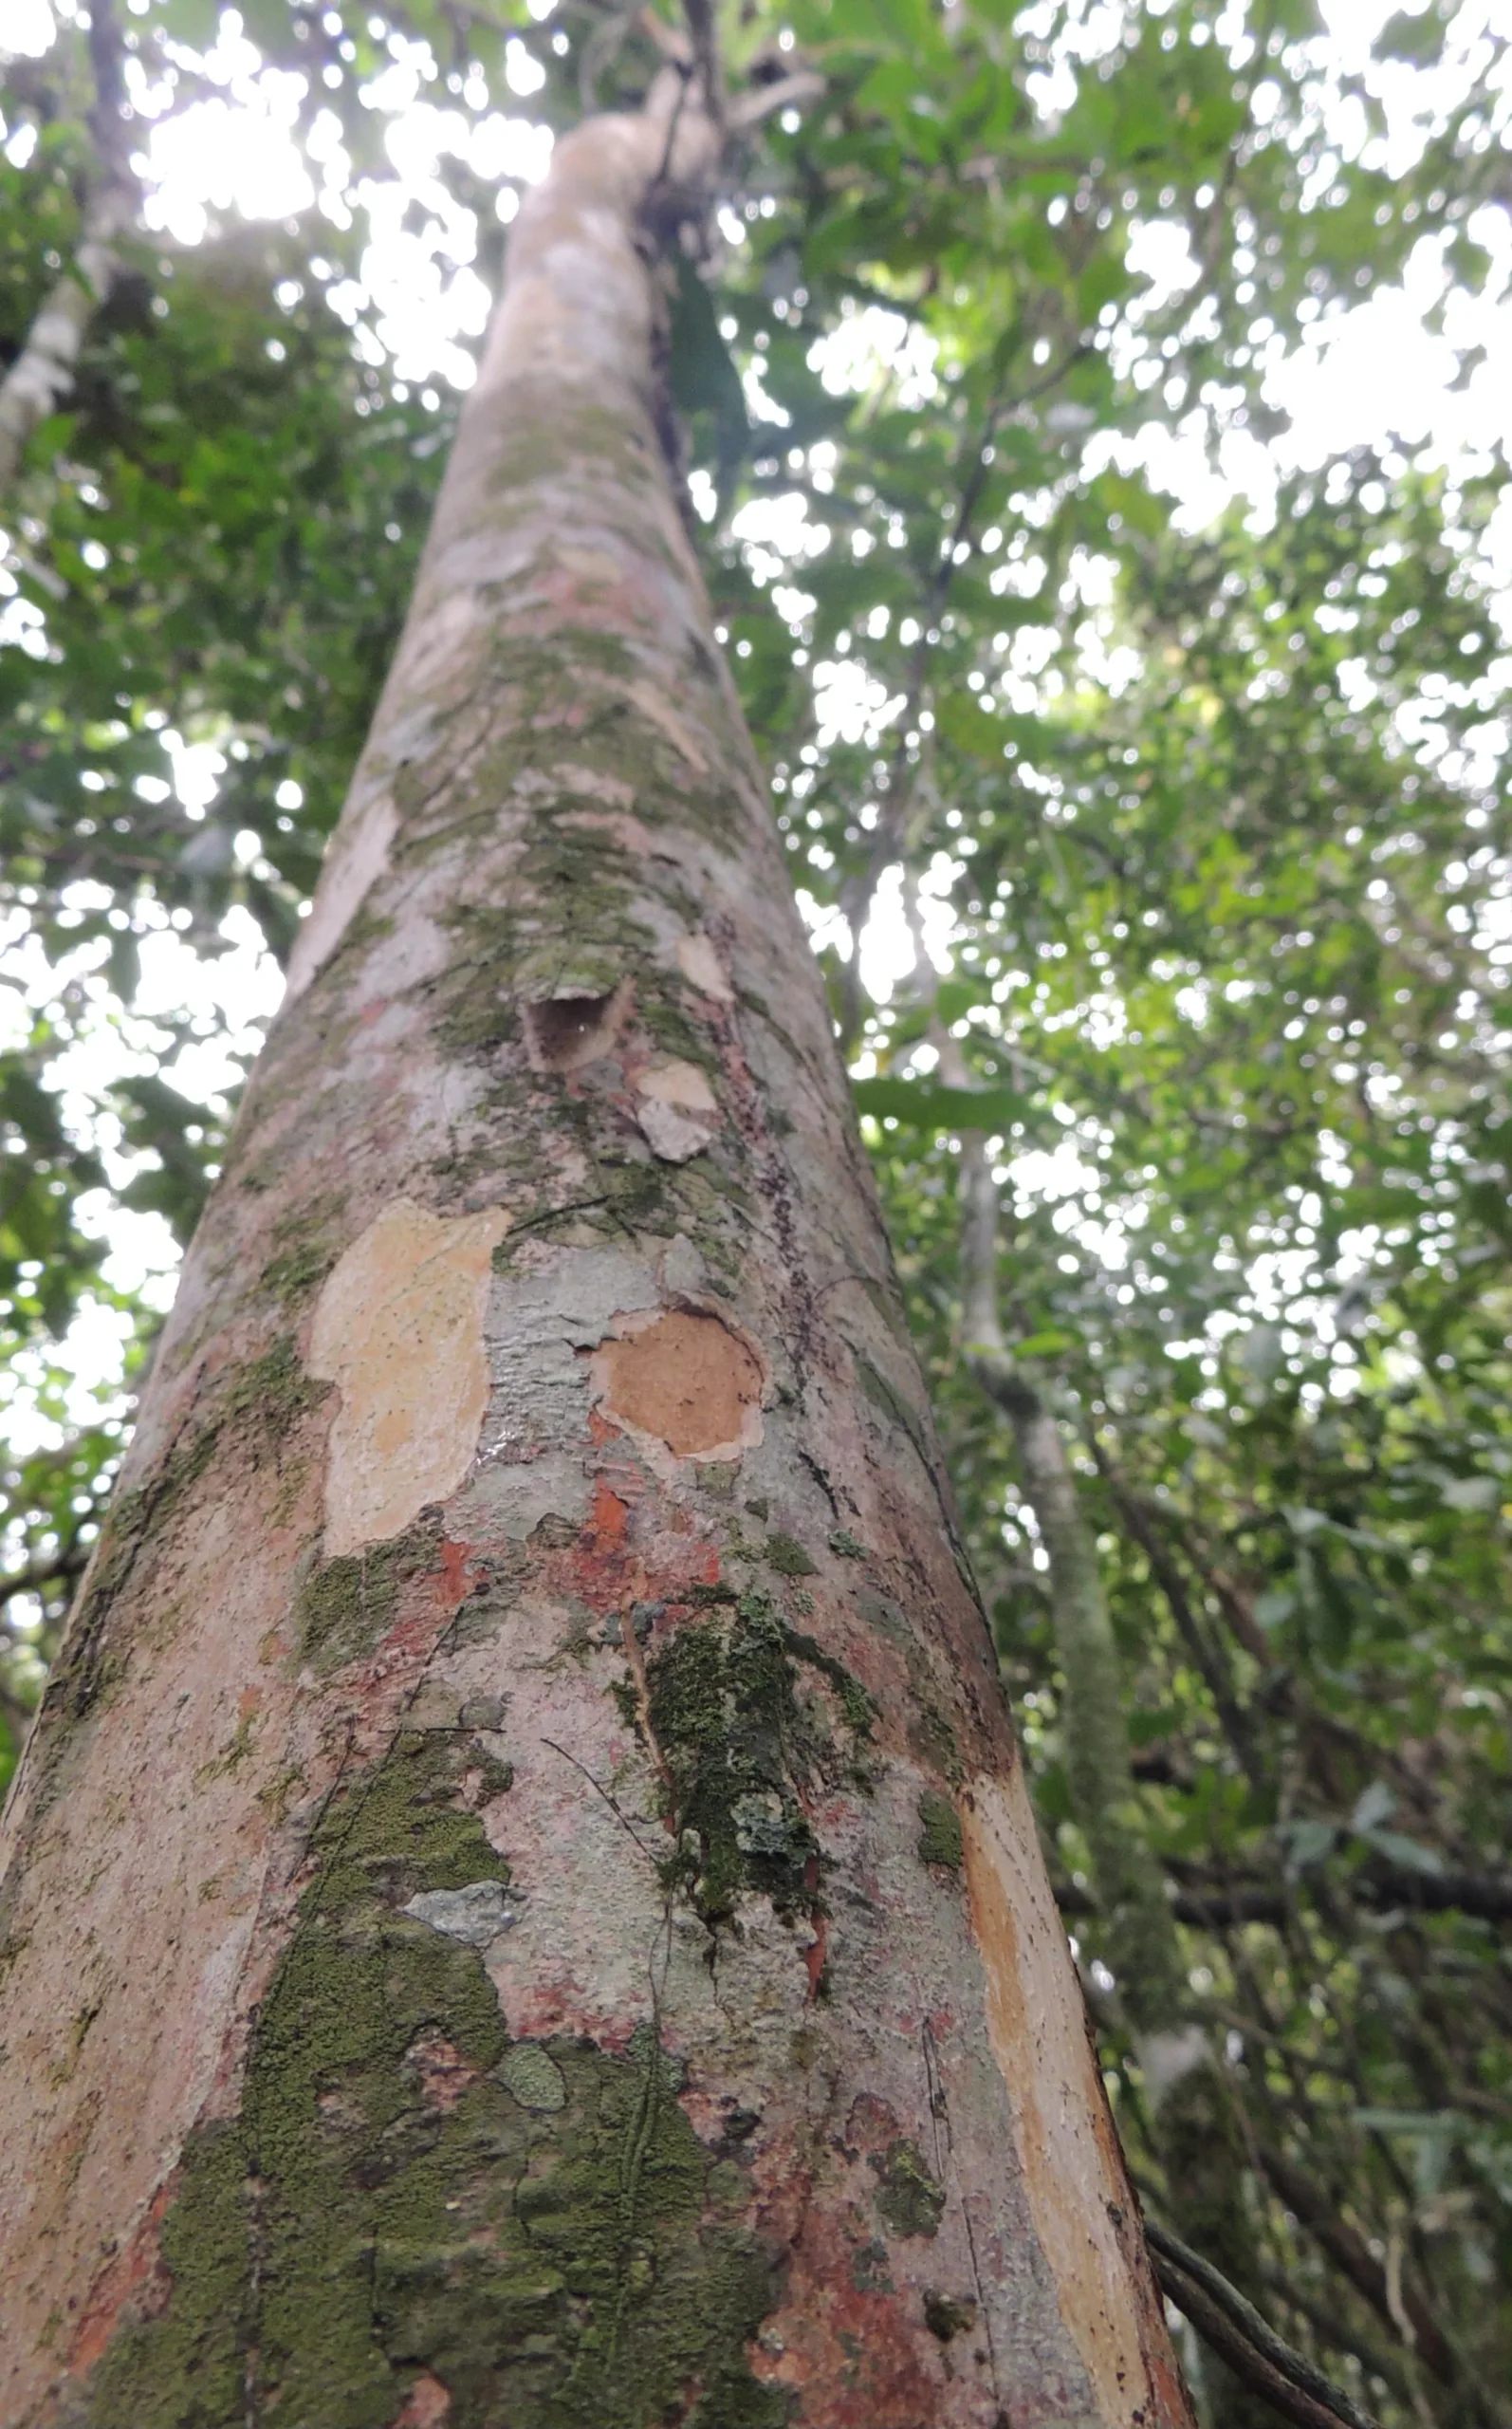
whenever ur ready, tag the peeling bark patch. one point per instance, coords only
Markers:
(688, 1381)
(358, 857)
(474, 1914)
(702, 967)
(399, 1326)
(1039, 2034)
(567, 1032)
(678, 1110)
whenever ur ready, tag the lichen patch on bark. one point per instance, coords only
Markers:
(408, 2201)
(398, 1328)
(1079, 2197)
(688, 1381)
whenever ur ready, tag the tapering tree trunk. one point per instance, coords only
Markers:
(522, 1905)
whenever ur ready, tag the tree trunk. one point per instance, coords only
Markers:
(1192, 2109)
(522, 1902)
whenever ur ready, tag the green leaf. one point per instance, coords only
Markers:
(925, 1106)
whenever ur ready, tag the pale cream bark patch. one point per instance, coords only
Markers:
(678, 1110)
(596, 782)
(701, 966)
(357, 859)
(398, 1328)
(1038, 2028)
(678, 733)
(623, 826)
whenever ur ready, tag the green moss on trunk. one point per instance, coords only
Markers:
(406, 2190)
(346, 1605)
(940, 1839)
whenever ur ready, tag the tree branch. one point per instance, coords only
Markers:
(42, 372)
(889, 835)
(1168, 1577)
(1250, 2347)
(1312, 2201)
(1486, 1896)
(749, 108)
(36, 1580)
(1142, 1946)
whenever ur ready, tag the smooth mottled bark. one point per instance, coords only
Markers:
(522, 1905)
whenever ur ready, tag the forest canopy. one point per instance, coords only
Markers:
(1094, 421)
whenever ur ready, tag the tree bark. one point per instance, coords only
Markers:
(522, 1902)
(1193, 2115)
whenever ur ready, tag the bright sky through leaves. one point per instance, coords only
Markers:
(1375, 374)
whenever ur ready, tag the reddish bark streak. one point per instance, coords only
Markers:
(133, 2279)
(425, 2407)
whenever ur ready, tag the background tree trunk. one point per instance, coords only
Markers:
(42, 373)
(521, 1901)
(1192, 2114)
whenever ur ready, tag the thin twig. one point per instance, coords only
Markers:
(889, 833)
(599, 1788)
(705, 40)
(36, 1581)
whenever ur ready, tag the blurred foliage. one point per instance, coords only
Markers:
(1220, 823)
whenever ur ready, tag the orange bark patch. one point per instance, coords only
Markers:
(688, 1380)
(135, 2275)
(609, 1515)
(426, 2405)
(456, 1577)
(1077, 2194)
(442, 2072)
(857, 2348)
